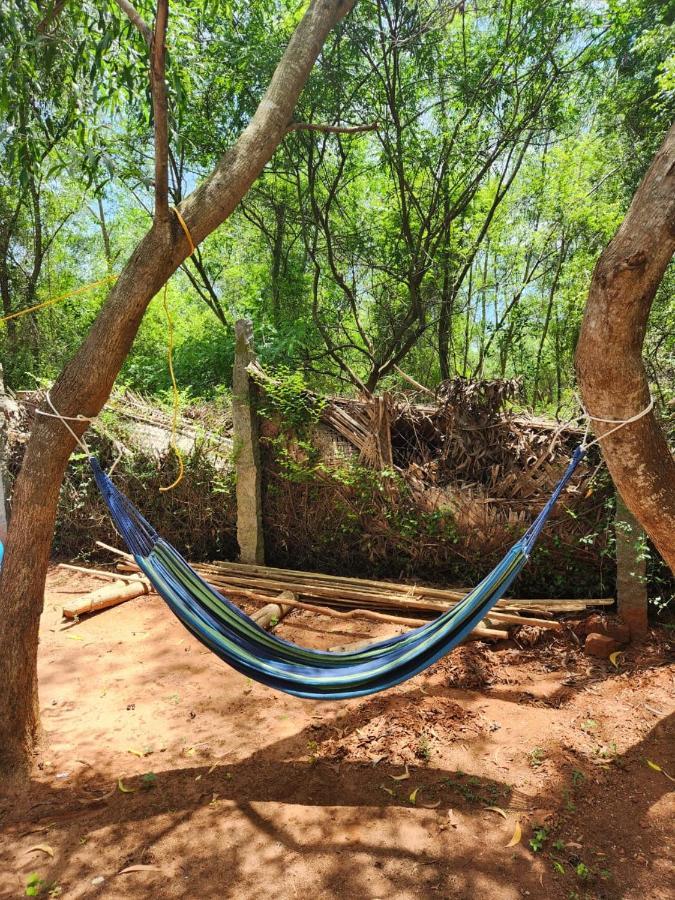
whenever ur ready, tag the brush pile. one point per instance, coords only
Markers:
(468, 453)
(438, 488)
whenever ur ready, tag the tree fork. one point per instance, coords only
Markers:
(609, 363)
(85, 384)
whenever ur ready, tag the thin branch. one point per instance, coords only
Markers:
(160, 109)
(135, 17)
(52, 13)
(332, 129)
(156, 41)
(415, 384)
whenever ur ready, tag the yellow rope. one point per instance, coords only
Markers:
(59, 299)
(93, 284)
(174, 385)
(185, 229)
(176, 397)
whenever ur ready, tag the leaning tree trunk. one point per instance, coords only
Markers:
(609, 354)
(85, 384)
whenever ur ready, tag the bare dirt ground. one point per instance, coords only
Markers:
(158, 756)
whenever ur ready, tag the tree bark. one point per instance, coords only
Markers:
(609, 354)
(4, 479)
(86, 382)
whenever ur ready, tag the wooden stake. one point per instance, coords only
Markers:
(247, 448)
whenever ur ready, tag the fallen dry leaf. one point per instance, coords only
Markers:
(123, 789)
(496, 809)
(657, 768)
(517, 835)
(413, 796)
(403, 777)
(99, 799)
(130, 869)
(613, 657)
(42, 848)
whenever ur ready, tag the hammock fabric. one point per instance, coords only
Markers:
(229, 633)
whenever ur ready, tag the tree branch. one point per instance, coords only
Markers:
(156, 41)
(160, 110)
(135, 17)
(332, 129)
(52, 13)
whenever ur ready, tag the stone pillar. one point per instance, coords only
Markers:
(247, 449)
(4, 449)
(631, 571)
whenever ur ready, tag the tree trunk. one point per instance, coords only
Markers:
(609, 354)
(277, 260)
(4, 479)
(85, 384)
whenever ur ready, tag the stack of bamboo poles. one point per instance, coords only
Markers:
(242, 580)
(345, 597)
(281, 590)
(128, 587)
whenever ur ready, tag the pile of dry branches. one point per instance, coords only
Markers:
(453, 481)
(469, 437)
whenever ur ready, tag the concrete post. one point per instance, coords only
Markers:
(247, 449)
(631, 570)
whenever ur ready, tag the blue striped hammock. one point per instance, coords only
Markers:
(317, 674)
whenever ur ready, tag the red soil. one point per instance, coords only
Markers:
(252, 794)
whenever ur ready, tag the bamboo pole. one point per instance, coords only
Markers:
(100, 573)
(105, 597)
(408, 590)
(505, 618)
(478, 634)
(270, 615)
(114, 550)
(312, 583)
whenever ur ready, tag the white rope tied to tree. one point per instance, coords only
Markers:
(82, 444)
(618, 423)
